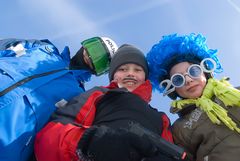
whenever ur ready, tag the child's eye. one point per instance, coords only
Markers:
(122, 69)
(138, 69)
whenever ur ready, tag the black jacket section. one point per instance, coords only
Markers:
(118, 108)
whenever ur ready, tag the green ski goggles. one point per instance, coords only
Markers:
(98, 54)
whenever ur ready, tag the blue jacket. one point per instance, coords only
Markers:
(35, 79)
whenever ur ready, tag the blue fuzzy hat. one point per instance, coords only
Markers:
(173, 49)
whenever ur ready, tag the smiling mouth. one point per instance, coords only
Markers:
(130, 83)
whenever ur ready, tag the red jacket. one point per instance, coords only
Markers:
(58, 140)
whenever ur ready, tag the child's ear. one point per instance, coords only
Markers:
(208, 75)
(115, 79)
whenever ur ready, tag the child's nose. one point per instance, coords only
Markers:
(130, 72)
(188, 78)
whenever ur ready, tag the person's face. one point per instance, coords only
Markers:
(129, 76)
(193, 88)
(86, 59)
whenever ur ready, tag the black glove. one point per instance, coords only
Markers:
(77, 61)
(106, 144)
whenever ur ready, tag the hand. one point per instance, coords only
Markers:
(106, 144)
(77, 61)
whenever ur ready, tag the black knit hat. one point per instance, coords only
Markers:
(127, 54)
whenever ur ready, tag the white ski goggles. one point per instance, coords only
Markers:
(194, 71)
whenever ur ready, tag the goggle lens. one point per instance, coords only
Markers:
(98, 54)
(195, 71)
(178, 80)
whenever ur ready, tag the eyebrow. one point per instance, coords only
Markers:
(179, 72)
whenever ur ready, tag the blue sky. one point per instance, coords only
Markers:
(138, 22)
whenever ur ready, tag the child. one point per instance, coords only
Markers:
(94, 125)
(209, 114)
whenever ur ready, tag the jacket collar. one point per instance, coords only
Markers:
(144, 90)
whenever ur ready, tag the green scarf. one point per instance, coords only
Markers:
(224, 91)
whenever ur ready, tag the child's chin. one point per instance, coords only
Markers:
(195, 95)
